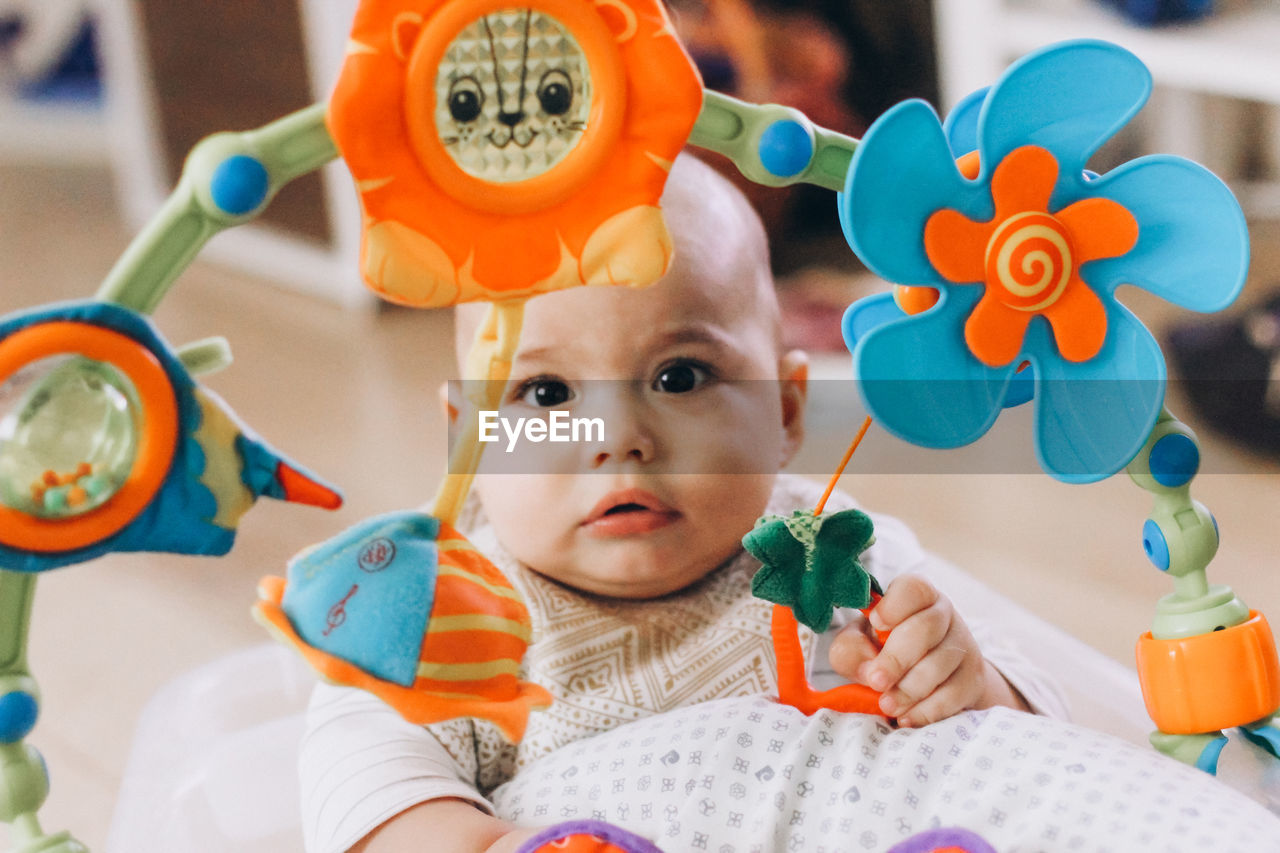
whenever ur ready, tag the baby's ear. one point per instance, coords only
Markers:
(793, 383)
(794, 367)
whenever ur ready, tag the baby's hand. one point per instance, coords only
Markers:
(930, 667)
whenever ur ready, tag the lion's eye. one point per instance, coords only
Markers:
(465, 99)
(555, 92)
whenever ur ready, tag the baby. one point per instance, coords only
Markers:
(633, 568)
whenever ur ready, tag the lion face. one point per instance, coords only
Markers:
(513, 95)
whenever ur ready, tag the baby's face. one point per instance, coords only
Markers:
(696, 385)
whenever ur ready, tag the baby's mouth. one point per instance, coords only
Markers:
(628, 512)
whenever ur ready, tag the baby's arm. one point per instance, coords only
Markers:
(371, 781)
(453, 825)
(930, 666)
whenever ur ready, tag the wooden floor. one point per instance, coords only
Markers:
(353, 396)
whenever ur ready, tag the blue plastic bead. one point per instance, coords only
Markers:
(239, 185)
(18, 713)
(1153, 542)
(1174, 460)
(785, 148)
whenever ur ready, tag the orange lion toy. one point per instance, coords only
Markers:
(482, 131)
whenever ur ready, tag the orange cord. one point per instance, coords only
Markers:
(831, 486)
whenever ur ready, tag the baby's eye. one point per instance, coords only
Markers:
(681, 378)
(546, 393)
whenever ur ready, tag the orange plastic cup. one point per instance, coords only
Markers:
(1200, 684)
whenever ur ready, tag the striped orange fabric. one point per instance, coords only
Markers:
(460, 647)
(458, 596)
(476, 609)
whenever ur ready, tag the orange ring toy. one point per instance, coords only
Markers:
(1207, 682)
(156, 443)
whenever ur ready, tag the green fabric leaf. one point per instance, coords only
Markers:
(810, 563)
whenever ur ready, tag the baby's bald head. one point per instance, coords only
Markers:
(719, 247)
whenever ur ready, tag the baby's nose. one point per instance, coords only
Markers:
(642, 451)
(626, 437)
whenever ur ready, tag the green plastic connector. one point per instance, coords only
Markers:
(1190, 537)
(26, 785)
(734, 128)
(24, 782)
(286, 149)
(205, 356)
(16, 592)
(1189, 749)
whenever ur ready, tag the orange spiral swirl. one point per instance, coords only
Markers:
(1029, 261)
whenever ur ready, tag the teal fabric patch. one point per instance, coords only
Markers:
(365, 596)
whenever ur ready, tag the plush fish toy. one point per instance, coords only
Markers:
(403, 606)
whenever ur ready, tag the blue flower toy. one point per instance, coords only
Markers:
(1026, 250)
(1008, 253)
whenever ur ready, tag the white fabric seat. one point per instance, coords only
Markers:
(213, 764)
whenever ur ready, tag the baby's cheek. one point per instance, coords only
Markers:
(522, 516)
(724, 510)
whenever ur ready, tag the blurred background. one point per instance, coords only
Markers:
(101, 99)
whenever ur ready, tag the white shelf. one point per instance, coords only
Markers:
(1233, 53)
(52, 131)
(1203, 70)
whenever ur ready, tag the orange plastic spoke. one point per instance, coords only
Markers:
(1079, 322)
(1024, 181)
(1100, 228)
(955, 245)
(994, 331)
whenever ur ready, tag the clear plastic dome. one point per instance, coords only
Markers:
(69, 430)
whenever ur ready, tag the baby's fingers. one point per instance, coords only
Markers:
(950, 697)
(906, 646)
(906, 596)
(851, 648)
(926, 689)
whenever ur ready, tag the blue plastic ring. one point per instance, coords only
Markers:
(1156, 546)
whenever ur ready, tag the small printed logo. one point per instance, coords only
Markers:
(377, 555)
(338, 612)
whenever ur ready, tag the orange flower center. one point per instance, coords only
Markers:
(1029, 261)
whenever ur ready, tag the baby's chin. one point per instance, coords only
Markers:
(634, 581)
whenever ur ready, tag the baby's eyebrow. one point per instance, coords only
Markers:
(539, 352)
(696, 333)
(690, 333)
